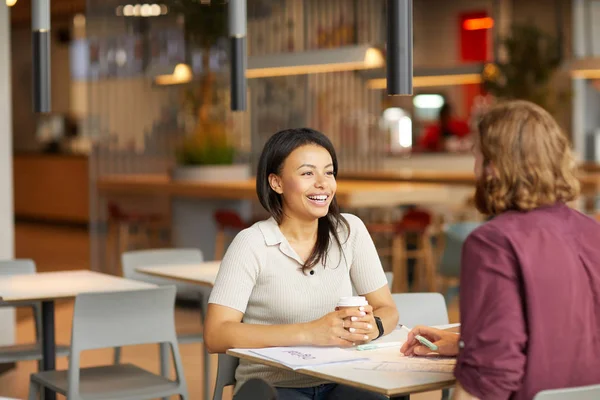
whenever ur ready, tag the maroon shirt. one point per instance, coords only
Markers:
(530, 304)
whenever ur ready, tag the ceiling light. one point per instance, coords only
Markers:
(349, 58)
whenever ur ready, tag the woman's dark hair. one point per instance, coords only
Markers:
(276, 150)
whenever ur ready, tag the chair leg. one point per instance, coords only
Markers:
(206, 360)
(220, 244)
(165, 362)
(399, 264)
(428, 263)
(117, 356)
(34, 390)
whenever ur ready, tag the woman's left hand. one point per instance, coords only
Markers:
(363, 325)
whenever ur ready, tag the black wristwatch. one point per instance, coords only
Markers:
(379, 326)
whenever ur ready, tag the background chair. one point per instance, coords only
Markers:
(256, 389)
(135, 230)
(228, 223)
(225, 374)
(414, 229)
(104, 320)
(578, 393)
(450, 245)
(29, 351)
(171, 257)
(422, 309)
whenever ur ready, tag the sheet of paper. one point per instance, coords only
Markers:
(303, 357)
(414, 364)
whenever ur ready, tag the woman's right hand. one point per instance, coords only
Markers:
(330, 330)
(447, 342)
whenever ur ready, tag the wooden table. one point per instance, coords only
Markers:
(47, 287)
(350, 193)
(203, 274)
(389, 383)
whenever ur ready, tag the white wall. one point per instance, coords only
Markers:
(7, 316)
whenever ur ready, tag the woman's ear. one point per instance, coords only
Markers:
(275, 183)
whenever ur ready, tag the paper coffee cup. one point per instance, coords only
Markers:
(353, 301)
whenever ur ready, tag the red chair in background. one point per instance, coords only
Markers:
(228, 223)
(414, 227)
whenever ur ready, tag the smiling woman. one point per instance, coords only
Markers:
(296, 183)
(281, 279)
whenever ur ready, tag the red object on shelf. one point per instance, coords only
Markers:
(473, 42)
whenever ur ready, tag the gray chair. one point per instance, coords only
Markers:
(256, 389)
(422, 309)
(591, 392)
(105, 320)
(225, 374)
(146, 258)
(452, 240)
(28, 351)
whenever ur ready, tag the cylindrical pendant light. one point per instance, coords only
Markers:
(237, 35)
(399, 55)
(40, 27)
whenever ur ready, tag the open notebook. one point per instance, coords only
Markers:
(306, 357)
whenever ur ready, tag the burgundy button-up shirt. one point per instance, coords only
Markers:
(530, 304)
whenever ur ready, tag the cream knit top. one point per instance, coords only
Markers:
(261, 276)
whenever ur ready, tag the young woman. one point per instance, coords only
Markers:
(530, 277)
(280, 280)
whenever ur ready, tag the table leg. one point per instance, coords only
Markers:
(48, 343)
(207, 381)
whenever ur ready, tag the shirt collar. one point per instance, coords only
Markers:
(273, 236)
(271, 232)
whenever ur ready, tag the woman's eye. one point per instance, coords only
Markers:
(330, 173)
(306, 173)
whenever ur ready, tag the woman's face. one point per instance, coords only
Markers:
(306, 183)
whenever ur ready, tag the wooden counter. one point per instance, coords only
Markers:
(590, 182)
(350, 193)
(51, 187)
(461, 178)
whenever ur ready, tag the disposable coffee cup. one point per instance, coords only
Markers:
(353, 301)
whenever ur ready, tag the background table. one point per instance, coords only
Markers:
(203, 274)
(50, 286)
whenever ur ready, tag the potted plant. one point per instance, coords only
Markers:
(532, 58)
(207, 152)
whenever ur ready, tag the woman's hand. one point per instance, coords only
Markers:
(447, 342)
(363, 325)
(330, 330)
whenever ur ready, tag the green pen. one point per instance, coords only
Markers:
(422, 340)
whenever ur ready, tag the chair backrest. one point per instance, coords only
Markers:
(421, 309)
(132, 260)
(225, 374)
(390, 279)
(115, 319)
(17, 267)
(454, 237)
(255, 389)
(591, 392)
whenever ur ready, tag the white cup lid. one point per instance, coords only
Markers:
(354, 301)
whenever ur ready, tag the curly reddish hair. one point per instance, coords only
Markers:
(529, 157)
